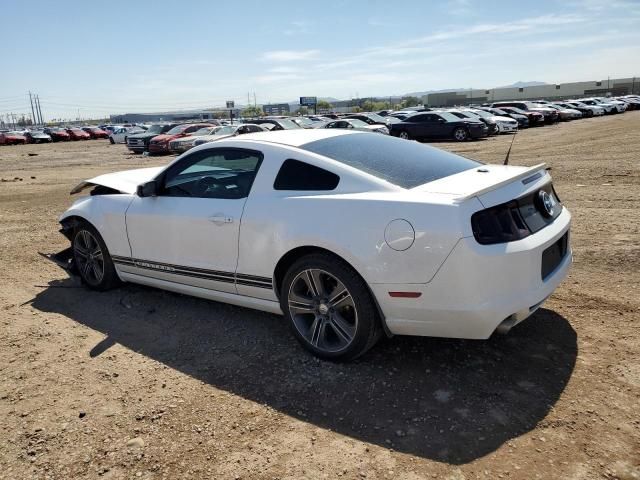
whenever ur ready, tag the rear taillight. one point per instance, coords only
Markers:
(499, 224)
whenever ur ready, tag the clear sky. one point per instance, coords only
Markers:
(96, 57)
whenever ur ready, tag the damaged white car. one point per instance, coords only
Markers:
(349, 235)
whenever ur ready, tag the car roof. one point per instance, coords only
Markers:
(294, 138)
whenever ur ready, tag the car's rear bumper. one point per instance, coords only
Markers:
(478, 287)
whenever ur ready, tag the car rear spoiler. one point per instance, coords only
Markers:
(527, 176)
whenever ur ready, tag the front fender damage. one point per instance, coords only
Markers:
(64, 258)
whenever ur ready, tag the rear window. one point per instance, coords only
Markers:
(297, 175)
(400, 162)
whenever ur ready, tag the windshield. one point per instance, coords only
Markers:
(203, 131)
(304, 121)
(288, 124)
(178, 129)
(376, 118)
(480, 113)
(392, 119)
(498, 111)
(402, 163)
(228, 130)
(358, 123)
(155, 129)
(450, 117)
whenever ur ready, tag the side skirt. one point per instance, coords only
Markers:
(231, 298)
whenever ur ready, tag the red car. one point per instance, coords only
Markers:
(12, 138)
(78, 134)
(95, 132)
(160, 143)
(57, 134)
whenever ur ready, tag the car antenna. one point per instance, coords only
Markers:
(506, 159)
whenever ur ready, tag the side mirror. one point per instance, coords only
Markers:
(149, 189)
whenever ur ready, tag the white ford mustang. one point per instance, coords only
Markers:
(347, 234)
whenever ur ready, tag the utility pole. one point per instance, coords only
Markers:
(39, 110)
(33, 115)
(254, 100)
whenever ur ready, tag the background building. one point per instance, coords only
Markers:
(602, 88)
(276, 109)
(175, 116)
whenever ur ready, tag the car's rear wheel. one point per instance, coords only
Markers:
(329, 308)
(405, 135)
(460, 134)
(92, 258)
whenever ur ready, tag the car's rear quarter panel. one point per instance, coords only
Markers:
(349, 222)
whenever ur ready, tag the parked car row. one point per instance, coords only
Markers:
(51, 134)
(179, 137)
(465, 123)
(459, 124)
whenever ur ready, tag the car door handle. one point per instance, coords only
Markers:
(221, 219)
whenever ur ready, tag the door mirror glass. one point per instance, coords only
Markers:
(148, 189)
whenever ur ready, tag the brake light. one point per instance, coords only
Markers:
(499, 224)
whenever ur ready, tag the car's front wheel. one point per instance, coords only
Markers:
(111, 140)
(92, 259)
(329, 307)
(405, 135)
(460, 134)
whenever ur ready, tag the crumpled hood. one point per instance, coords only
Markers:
(126, 181)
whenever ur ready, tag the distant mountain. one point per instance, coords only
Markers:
(422, 94)
(523, 84)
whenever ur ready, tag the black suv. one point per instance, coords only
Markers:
(139, 142)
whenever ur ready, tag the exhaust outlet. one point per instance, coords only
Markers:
(506, 325)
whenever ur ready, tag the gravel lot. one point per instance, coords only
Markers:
(141, 383)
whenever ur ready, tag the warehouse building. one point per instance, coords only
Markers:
(601, 88)
(175, 116)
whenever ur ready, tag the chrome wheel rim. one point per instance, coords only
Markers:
(460, 134)
(323, 310)
(404, 135)
(89, 257)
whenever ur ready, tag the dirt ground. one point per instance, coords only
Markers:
(141, 383)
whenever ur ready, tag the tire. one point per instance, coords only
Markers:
(460, 134)
(111, 141)
(329, 308)
(404, 135)
(92, 258)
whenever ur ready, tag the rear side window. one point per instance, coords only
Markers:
(403, 163)
(297, 175)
